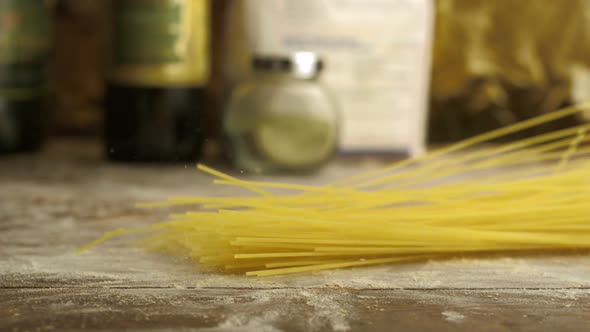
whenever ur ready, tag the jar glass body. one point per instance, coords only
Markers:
(275, 122)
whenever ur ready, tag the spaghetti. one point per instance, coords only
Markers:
(471, 197)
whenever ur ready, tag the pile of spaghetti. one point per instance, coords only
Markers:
(471, 197)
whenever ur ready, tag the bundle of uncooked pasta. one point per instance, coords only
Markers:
(476, 196)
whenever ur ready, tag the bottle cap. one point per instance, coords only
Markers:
(302, 65)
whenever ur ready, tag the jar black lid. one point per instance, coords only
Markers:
(300, 64)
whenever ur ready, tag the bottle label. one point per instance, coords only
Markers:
(24, 47)
(160, 42)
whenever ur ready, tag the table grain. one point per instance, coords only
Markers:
(53, 202)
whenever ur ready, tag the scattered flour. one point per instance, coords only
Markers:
(246, 323)
(328, 312)
(328, 309)
(453, 316)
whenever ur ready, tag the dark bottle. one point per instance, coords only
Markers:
(155, 95)
(24, 48)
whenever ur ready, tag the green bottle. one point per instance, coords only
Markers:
(24, 48)
(156, 87)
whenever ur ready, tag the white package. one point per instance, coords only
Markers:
(376, 54)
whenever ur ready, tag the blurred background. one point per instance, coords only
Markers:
(456, 67)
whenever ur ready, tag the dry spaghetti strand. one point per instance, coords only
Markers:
(531, 194)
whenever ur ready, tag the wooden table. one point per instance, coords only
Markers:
(56, 201)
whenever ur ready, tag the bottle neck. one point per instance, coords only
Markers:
(281, 76)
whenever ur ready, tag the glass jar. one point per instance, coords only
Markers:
(282, 119)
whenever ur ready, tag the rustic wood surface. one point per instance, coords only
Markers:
(63, 198)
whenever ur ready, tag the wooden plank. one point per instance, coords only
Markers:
(53, 203)
(42, 226)
(167, 309)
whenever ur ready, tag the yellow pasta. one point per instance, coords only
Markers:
(476, 196)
